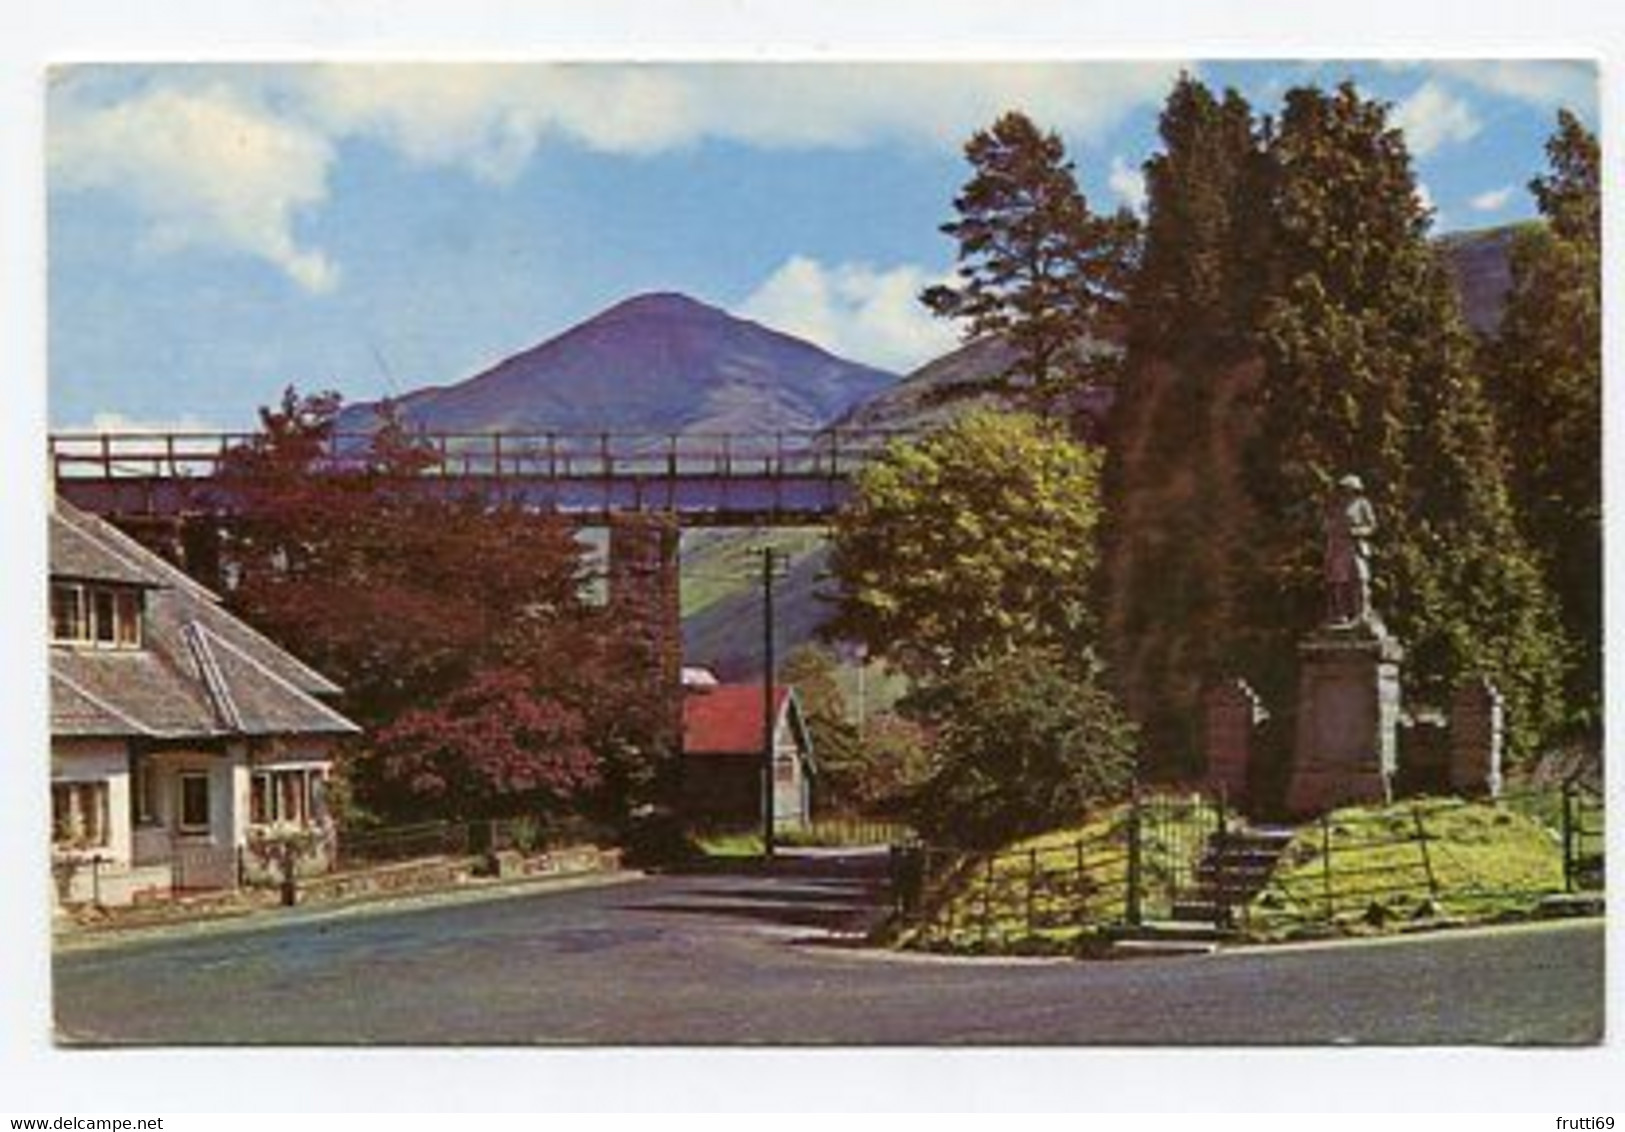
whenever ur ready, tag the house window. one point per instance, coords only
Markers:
(259, 800)
(284, 797)
(79, 814)
(95, 615)
(194, 796)
(67, 613)
(101, 615)
(127, 619)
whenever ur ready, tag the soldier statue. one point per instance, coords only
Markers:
(1350, 524)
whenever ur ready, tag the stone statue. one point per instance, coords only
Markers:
(1350, 524)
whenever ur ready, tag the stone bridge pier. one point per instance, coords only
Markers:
(645, 584)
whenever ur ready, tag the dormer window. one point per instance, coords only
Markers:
(106, 617)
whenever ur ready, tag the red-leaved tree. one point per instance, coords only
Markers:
(494, 747)
(459, 631)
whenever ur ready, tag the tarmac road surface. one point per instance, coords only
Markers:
(750, 958)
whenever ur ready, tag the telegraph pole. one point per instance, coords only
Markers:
(772, 561)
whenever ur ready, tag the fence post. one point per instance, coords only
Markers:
(1081, 889)
(941, 924)
(1131, 902)
(1326, 865)
(987, 901)
(1032, 886)
(1422, 840)
(1568, 837)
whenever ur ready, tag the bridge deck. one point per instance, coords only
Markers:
(706, 479)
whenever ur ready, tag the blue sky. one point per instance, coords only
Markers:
(218, 232)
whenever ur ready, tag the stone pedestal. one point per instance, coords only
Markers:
(1477, 729)
(1348, 716)
(1231, 714)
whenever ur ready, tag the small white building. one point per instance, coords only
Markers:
(178, 733)
(722, 767)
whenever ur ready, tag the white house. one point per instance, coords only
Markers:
(178, 733)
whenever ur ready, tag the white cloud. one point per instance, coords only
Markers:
(1545, 83)
(492, 118)
(855, 310)
(1492, 200)
(1128, 182)
(230, 159)
(1432, 117)
(1424, 198)
(205, 168)
(119, 422)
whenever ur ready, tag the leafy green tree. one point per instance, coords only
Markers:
(813, 672)
(1547, 368)
(897, 760)
(1203, 268)
(1036, 265)
(1026, 742)
(1369, 367)
(867, 771)
(1177, 534)
(969, 544)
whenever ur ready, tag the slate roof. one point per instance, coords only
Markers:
(200, 673)
(726, 719)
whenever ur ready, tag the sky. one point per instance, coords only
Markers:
(218, 232)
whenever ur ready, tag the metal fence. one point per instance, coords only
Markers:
(845, 831)
(203, 868)
(1186, 857)
(955, 898)
(397, 844)
(401, 843)
(1436, 857)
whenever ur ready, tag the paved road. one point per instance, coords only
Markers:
(750, 958)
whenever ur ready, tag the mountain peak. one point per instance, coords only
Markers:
(658, 304)
(657, 362)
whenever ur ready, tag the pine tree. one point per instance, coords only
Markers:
(1369, 368)
(1036, 266)
(1547, 368)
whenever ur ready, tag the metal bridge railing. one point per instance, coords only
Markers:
(828, 453)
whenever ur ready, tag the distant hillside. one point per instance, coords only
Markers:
(723, 629)
(929, 396)
(659, 363)
(949, 386)
(1481, 262)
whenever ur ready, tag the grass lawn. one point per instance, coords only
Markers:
(1057, 890)
(1479, 861)
(729, 845)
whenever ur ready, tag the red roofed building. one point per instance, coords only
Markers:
(722, 757)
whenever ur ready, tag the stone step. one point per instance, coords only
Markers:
(1240, 866)
(1162, 948)
(1194, 911)
(1173, 931)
